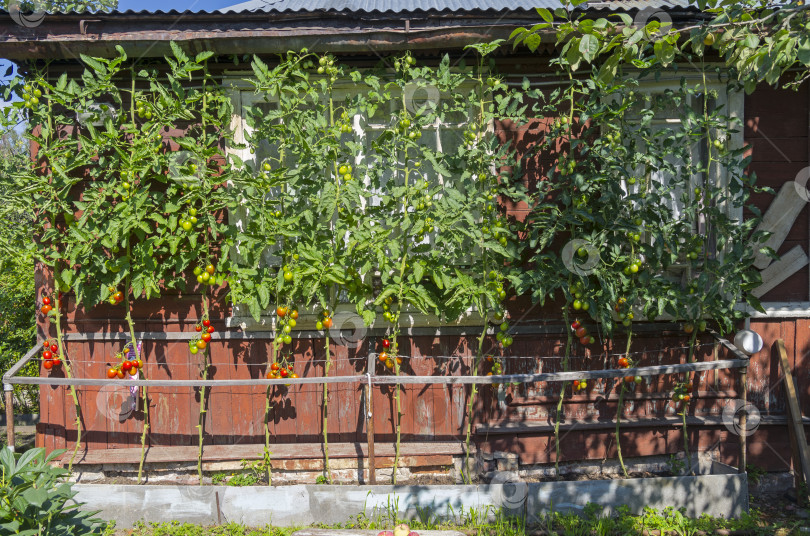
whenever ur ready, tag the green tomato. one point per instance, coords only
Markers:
(192, 211)
(286, 329)
(319, 325)
(287, 339)
(342, 170)
(200, 278)
(504, 326)
(193, 220)
(186, 225)
(577, 305)
(205, 276)
(197, 270)
(193, 349)
(288, 276)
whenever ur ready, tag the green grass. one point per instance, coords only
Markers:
(491, 522)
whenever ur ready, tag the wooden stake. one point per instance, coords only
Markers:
(801, 458)
(9, 416)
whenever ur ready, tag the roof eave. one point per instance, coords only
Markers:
(65, 36)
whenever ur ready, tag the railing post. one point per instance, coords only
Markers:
(9, 390)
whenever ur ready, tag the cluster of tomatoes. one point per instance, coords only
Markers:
(278, 372)
(471, 134)
(345, 125)
(388, 359)
(345, 171)
(578, 292)
(496, 369)
(287, 320)
(387, 313)
(495, 284)
(205, 329)
(408, 129)
(31, 95)
(497, 231)
(116, 296)
(406, 61)
(623, 362)
(582, 333)
(580, 385)
(190, 220)
(681, 393)
(125, 366)
(632, 267)
(623, 312)
(46, 305)
(50, 355)
(503, 336)
(326, 65)
(207, 275)
(127, 183)
(142, 110)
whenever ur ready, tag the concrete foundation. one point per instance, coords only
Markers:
(302, 505)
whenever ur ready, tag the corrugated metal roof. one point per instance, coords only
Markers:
(400, 6)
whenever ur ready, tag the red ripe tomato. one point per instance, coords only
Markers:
(575, 325)
(139, 363)
(327, 323)
(206, 337)
(118, 296)
(274, 366)
(57, 362)
(47, 364)
(46, 344)
(211, 329)
(120, 374)
(47, 355)
(198, 328)
(629, 379)
(386, 343)
(585, 340)
(382, 357)
(46, 301)
(133, 365)
(580, 332)
(201, 344)
(46, 309)
(281, 311)
(269, 376)
(112, 373)
(54, 348)
(126, 365)
(206, 323)
(284, 373)
(623, 362)
(294, 314)
(576, 384)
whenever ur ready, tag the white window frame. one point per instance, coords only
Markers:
(242, 95)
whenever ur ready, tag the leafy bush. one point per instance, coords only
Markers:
(35, 499)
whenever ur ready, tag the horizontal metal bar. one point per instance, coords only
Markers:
(420, 380)
(185, 383)
(20, 364)
(564, 376)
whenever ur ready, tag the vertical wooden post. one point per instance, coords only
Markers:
(743, 421)
(7, 387)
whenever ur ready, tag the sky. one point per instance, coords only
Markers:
(179, 5)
